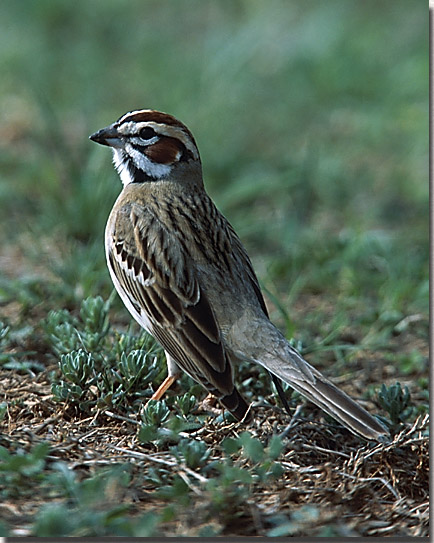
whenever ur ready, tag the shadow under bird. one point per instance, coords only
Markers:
(184, 275)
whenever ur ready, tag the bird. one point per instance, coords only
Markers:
(185, 277)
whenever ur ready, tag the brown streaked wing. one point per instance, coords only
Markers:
(246, 265)
(185, 328)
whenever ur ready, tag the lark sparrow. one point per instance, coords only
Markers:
(184, 275)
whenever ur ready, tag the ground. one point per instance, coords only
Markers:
(328, 482)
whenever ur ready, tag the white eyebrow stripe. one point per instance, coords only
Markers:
(162, 129)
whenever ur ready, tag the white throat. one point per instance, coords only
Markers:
(141, 162)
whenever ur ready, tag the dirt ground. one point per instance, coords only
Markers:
(374, 490)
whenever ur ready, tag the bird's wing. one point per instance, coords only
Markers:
(246, 265)
(152, 268)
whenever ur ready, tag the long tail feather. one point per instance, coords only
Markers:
(271, 350)
(341, 407)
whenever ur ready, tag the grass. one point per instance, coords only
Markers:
(312, 126)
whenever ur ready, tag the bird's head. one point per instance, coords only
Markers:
(149, 145)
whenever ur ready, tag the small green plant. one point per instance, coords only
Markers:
(94, 315)
(247, 462)
(4, 333)
(98, 366)
(397, 402)
(185, 403)
(136, 368)
(91, 507)
(176, 491)
(194, 454)
(161, 425)
(20, 471)
(262, 458)
(154, 416)
(155, 413)
(10, 357)
(229, 490)
(60, 327)
(127, 342)
(228, 481)
(67, 333)
(3, 410)
(76, 368)
(165, 421)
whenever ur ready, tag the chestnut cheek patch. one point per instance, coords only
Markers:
(165, 151)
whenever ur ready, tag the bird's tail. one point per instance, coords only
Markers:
(278, 357)
(340, 406)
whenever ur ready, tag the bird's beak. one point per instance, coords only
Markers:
(108, 136)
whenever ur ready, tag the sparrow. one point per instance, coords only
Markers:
(184, 275)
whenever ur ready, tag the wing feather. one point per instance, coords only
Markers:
(155, 278)
(246, 265)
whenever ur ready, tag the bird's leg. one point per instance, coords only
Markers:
(173, 373)
(167, 383)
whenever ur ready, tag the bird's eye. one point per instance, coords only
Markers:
(147, 133)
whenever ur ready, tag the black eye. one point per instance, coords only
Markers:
(147, 133)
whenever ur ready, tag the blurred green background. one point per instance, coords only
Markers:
(311, 118)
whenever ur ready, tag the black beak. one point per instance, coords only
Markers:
(107, 136)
